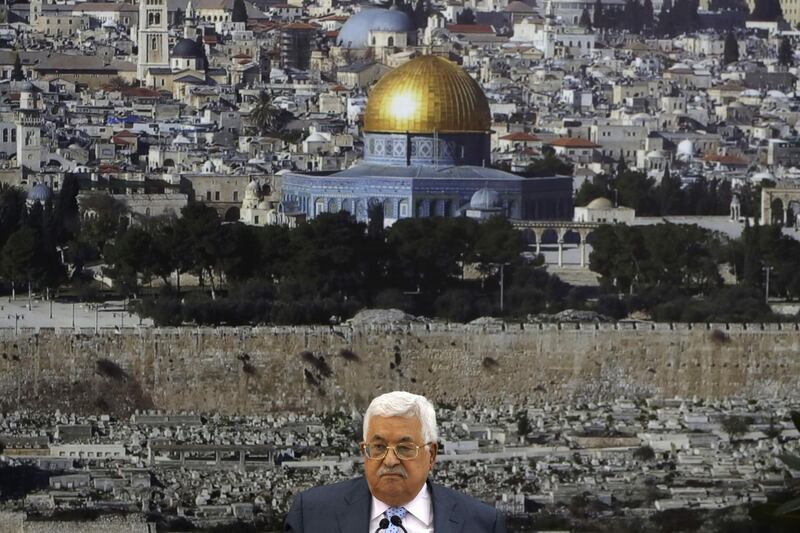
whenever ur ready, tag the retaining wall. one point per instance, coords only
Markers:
(253, 370)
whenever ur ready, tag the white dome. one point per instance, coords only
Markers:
(600, 203)
(316, 138)
(485, 199)
(685, 148)
(355, 32)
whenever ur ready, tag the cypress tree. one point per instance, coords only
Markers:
(731, 52)
(647, 14)
(785, 53)
(17, 74)
(598, 15)
(239, 11)
(586, 20)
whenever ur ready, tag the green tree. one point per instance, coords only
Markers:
(730, 53)
(586, 19)
(648, 15)
(767, 11)
(735, 426)
(17, 74)
(266, 117)
(129, 259)
(548, 165)
(665, 26)
(239, 11)
(66, 209)
(598, 187)
(467, 16)
(21, 261)
(598, 21)
(429, 253)
(669, 192)
(13, 211)
(199, 240)
(785, 53)
(644, 453)
(105, 219)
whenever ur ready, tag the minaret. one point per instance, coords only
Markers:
(153, 36)
(35, 11)
(29, 130)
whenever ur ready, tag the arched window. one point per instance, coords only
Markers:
(388, 208)
(390, 41)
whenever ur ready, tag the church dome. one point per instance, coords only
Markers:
(355, 32)
(485, 199)
(188, 49)
(426, 95)
(40, 193)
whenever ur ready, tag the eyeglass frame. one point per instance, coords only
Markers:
(363, 447)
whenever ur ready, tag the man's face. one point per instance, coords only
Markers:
(392, 481)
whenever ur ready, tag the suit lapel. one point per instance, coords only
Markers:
(354, 514)
(446, 515)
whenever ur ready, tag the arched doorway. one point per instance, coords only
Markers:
(232, 214)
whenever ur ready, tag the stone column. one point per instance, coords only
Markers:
(241, 461)
(583, 235)
(561, 233)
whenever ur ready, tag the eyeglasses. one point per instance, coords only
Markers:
(403, 451)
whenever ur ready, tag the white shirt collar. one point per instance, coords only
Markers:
(420, 506)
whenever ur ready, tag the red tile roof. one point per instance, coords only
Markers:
(519, 136)
(573, 142)
(470, 28)
(727, 159)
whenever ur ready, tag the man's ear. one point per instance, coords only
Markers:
(433, 449)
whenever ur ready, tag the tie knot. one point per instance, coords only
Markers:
(396, 511)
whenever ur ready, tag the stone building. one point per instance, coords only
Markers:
(426, 151)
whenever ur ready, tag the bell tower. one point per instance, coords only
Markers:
(153, 36)
(29, 130)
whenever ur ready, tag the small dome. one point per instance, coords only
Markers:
(40, 193)
(188, 49)
(485, 199)
(686, 148)
(600, 203)
(355, 32)
(316, 138)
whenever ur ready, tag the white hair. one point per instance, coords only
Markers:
(405, 404)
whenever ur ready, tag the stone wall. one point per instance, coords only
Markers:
(253, 370)
(16, 522)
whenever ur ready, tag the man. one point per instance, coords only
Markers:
(394, 496)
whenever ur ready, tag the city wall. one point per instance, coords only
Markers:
(254, 370)
(16, 522)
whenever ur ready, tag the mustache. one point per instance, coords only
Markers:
(397, 470)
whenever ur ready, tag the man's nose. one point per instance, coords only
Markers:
(391, 458)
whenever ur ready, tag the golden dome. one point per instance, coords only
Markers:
(427, 94)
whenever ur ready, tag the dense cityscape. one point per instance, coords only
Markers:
(222, 220)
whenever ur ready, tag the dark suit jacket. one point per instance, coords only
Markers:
(345, 508)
